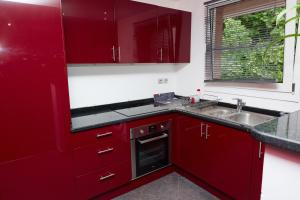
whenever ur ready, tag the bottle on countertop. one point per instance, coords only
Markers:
(196, 98)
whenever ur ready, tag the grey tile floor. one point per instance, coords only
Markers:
(170, 187)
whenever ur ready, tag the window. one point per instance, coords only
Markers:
(243, 41)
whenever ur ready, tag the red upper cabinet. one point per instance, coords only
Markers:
(89, 29)
(125, 31)
(136, 32)
(181, 36)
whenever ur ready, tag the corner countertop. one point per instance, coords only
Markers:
(283, 132)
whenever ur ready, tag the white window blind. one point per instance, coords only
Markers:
(243, 42)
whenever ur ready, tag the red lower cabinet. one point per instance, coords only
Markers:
(101, 181)
(222, 157)
(101, 158)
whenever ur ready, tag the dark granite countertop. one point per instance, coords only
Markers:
(283, 131)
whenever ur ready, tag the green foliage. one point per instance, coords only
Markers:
(244, 42)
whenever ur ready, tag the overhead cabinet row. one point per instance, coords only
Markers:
(125, 31)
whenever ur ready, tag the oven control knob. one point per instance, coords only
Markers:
(142, 131)
(162, 126)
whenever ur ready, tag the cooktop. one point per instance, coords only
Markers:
(140, 110)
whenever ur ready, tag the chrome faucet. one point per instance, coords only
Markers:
(240, 104)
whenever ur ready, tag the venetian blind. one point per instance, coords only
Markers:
(243, 42)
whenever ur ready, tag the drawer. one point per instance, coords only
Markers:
(88, 158)
(100, 136)
(101, 181)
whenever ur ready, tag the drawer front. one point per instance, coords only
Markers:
(99, 136)
(96, 183)
(94, 157)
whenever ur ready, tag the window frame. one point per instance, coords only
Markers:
(288, 70)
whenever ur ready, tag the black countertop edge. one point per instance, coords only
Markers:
(283, 143)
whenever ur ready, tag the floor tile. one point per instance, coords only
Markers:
(170, 187)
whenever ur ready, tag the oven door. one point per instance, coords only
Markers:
(152, 153)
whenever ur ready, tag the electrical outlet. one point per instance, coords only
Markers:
(166, 80)
(160, 81)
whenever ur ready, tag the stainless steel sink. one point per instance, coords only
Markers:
(230, 114)
(249, 118)
(215, 111)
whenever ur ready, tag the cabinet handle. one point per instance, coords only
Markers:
(161, 54)
(260, 150)
(206, 132)
(110, 175)
(105, 151)
(202, 125)
(119, 51)
(113, 54)
(98, 136)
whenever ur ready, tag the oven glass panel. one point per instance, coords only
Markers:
(151, 155)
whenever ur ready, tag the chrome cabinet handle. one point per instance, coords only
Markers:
(119, 51)
(110, 175)
(105, 151)
(113, 54)
(103, 135)
(202, 125)
(153, 139)
(260, 153)
(206, 132)
(161, 54)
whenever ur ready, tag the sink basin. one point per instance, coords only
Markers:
(217, 111)
(249, 118)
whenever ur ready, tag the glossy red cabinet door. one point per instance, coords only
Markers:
(35, 111)
(174, 33)
(181, 32)
(136, 32)
(89, 29)
(192, 147)
(229, 160)
(222, 157)
(46, 176)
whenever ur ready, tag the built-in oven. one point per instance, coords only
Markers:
(150, 147)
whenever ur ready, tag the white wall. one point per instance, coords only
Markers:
(96, 85)
(91, 85)
(281, 177)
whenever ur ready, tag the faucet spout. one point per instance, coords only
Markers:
(240, 104)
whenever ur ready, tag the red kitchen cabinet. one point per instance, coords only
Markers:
(33, 80)
(137, 39)
(125, 31)
(45, 176)
(101, 160)
(99, 182)
(174, 35)
(35, 111)
(229, 158)
(181, 36)
(222, 157)
(190, 148)
(89, 29)
(100, 147)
